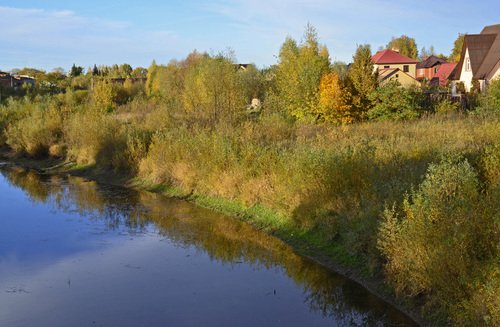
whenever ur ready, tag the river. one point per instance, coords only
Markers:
(74, 252)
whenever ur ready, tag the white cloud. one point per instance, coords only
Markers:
(45, 39)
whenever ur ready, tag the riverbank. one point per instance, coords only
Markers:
(308, 244)
(392, 204)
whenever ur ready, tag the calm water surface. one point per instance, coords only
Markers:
(77, 253)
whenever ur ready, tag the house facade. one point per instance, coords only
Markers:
(435, 70)
(480, 60)
(428, 68)
(392, 65)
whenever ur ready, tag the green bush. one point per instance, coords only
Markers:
(446, 107)
(37, 133)
(444, 236)
(394, 102)
(489, 102)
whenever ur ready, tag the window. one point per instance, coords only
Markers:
(387, 67)
(397, 75)
(406, 68)
(467, 65)
(435, 70)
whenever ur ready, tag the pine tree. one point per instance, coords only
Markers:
(363, 80)
(75, 71)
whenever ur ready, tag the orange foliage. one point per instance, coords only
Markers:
(334, 100)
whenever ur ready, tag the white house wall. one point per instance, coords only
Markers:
(495, 72)
(466, 75)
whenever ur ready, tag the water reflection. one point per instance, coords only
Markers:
(226, 241)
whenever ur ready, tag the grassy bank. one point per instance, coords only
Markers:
(410, 203)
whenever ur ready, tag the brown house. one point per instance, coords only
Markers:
(435, 70)
(428, 68)
(480, 59)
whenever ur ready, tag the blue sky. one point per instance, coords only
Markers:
(49, 34)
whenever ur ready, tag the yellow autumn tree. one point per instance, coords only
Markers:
(334, 100)
(103, 95)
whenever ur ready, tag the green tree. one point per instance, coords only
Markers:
(299, 74)
(287, 75)
(140, 72)
(362, 80)
(125, 70)
(405, 45)
(150, 81)
(456, 52)
(213, 90)
(489, 101)
(75, 71)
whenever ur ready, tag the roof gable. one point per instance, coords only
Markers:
(490, 60)
(492, 29)
(391, 57)
(478, 46)
(430, 62)
(386, 73)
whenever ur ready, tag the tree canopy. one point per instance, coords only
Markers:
(405, 45)
(299, 72)
(457, 48)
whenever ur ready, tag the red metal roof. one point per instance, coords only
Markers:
(391, 57)
(445, 71)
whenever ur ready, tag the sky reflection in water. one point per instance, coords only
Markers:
(76, 253)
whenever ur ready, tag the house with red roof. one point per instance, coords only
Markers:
(435, 70)
(445, 73)
(392, 65)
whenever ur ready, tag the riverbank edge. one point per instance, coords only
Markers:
(311, 244)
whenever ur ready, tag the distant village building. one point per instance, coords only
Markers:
(242, 66)
(10, 81)
(24, 79)
(392, 65)
(6, 80)
(480, 60)
(122, 80)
